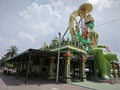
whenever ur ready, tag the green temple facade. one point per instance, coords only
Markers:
(74, 64)
(42, 63)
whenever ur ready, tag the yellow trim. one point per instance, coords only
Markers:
(70, 47)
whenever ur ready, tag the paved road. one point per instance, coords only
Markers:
(11, 83)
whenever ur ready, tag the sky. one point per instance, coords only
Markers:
(29, 23)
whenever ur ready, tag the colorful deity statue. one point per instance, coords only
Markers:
(102, 58)
(89, 37)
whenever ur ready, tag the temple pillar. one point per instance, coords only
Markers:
(41, 64)
(118, 70)
(17, 71)
(95, 69)
(51, 68)
(82, 68)
(67, 57)
(114, 70)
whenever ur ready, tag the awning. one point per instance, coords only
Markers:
(34, 53)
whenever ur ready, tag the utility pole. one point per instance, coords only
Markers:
(57, 75)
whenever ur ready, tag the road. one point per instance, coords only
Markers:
(11, 83)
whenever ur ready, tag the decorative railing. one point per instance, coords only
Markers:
(64, 42)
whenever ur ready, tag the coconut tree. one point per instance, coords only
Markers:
(11, 51)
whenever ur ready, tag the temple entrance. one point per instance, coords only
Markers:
(75, 69)
(89, 69)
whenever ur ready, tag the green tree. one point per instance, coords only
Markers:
(11, 51)
(3, 59)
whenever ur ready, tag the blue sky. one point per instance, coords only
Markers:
(28, 23)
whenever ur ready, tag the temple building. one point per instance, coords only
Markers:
(74, 63)
(78, 58)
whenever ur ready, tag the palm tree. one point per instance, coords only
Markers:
(11, 51)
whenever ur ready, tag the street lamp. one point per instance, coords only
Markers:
(57, 75)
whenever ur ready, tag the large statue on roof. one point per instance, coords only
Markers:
(85, 34)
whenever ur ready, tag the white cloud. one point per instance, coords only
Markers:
(44, 20)
(43, 28)
(40, 17)
(26, 35)
(14, 41)
(63, 7)
(24, 14)
(1, 39)
(101, 5)
(48, 18)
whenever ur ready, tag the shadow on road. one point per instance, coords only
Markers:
(10, 80)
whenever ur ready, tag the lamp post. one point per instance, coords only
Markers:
(57, 75)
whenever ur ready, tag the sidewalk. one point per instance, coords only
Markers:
(98, 85)
(11, 83)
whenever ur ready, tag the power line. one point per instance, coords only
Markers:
(112, 21)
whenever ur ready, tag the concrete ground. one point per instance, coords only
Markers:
(11, 83)
(99, 85)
